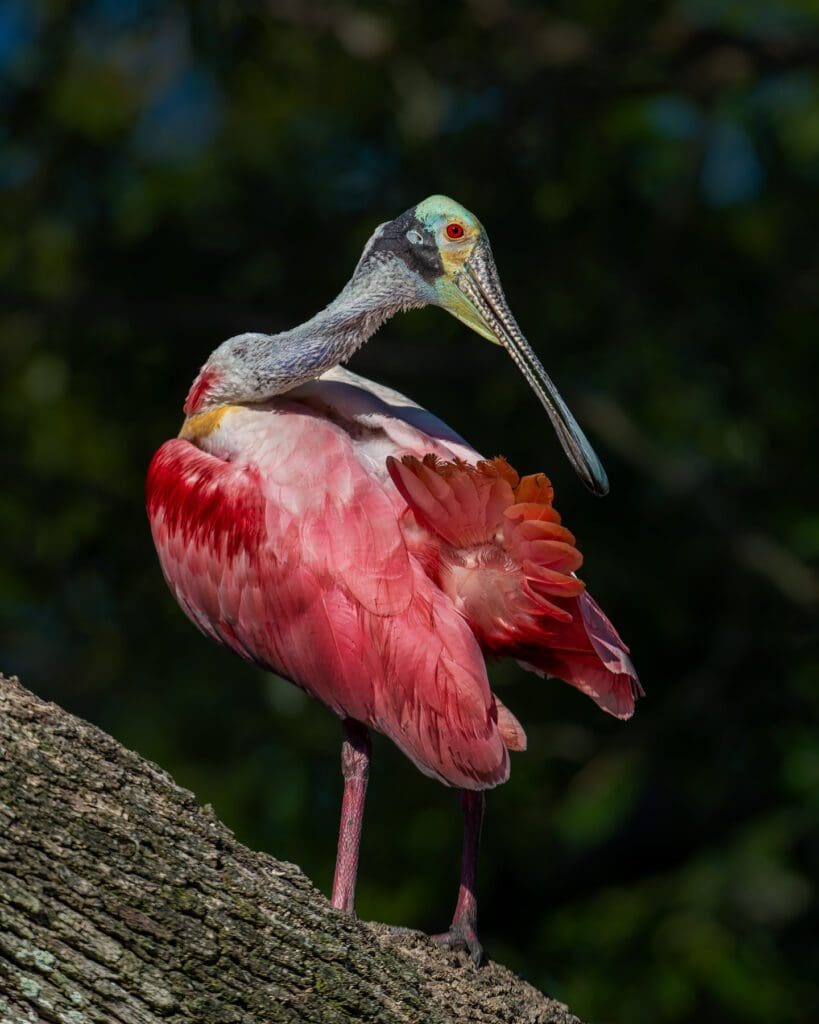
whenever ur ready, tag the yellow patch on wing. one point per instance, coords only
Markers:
(204, 423)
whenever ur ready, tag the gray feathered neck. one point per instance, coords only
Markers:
(255, 367)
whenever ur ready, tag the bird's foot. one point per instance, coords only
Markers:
(461, 935)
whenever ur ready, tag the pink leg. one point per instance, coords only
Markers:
(355, 767)
(463, 932)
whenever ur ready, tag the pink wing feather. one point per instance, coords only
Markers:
(496, 545)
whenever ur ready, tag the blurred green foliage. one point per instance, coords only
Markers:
(173, 173)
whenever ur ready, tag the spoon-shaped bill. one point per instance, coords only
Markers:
(480, 283)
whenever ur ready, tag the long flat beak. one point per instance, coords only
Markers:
(480, 284)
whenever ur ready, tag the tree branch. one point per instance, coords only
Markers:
(124, 902)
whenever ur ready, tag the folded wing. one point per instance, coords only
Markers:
(286, 548)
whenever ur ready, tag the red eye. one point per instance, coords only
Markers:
(454, 231)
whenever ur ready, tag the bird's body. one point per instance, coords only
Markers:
(329, 529)
(283, 535)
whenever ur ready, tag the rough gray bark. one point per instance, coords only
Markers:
(124, 902)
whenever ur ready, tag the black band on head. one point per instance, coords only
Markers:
(421, 257)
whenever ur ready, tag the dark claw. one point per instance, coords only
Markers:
(461, 936)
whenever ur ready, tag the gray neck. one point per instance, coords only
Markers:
(256, 367)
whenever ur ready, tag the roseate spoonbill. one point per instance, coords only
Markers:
(331, 530)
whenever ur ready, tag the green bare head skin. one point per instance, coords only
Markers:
(447, 250)
(438, 214)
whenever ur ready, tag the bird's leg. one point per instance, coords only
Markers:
(463, 932)
(355, 767)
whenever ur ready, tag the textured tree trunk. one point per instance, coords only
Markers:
(124, 902)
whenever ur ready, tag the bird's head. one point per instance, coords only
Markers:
(447, 258)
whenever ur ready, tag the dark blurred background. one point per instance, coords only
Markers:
(173, 173)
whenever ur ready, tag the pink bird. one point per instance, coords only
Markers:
(329, 529)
